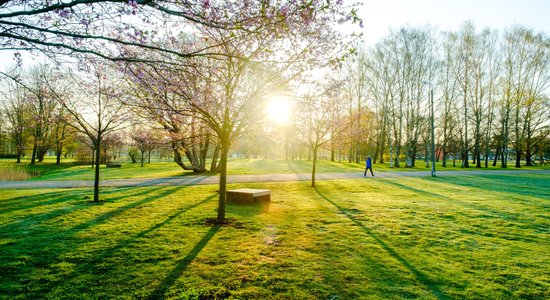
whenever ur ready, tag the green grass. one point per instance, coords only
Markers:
(473, 237)
(68, 171)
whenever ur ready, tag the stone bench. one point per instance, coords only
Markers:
(113, 165)
(248, 196)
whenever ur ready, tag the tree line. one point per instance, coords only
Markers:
(490, 100)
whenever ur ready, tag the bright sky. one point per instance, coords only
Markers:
(380, 15)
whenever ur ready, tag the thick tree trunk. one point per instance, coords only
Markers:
(178, 160)
(518, 157)
(41, 153)
(223, 183)
(214, 163)
(18, 158)
(33, 157)
(204, 153)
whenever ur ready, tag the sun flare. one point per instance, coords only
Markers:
(279, 109)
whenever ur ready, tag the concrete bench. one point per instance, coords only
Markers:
(248, 196)
(113, 165)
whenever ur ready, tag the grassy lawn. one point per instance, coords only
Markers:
(68, 171)
(482, 237)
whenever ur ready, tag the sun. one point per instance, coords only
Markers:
(279, 109)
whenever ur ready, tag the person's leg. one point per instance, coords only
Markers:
(365, 174)
(371, 171)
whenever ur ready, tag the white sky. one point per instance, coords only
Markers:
(380, 15)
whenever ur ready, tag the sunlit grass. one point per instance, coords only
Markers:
(159, 169)
(480, 237)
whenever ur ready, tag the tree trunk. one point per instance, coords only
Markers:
(313, 170)
(381, 144)
(427, 153)
(518, 157)
(497, 153)
(487, 155)
(397, 153)
(58, 155)
(41, 153)
(33, 157)
(96, 178)
(214, 164)
(223, 182)
(454, 158)
(178, 160)
(204, 152)
(529, 149)
(478, 156)
(528, 160)
(444, 152)
(142, 157)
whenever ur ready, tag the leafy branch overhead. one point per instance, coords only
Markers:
(122, 30)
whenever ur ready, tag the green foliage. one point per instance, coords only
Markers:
(482, 237)
(134, 155)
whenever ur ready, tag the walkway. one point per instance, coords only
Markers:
(201, 179)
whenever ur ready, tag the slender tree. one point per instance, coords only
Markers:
(95, 108)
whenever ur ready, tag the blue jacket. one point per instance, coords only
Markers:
(369, 163)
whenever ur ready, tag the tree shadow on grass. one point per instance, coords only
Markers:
(113, 213)
(291, 167)
(181, 265)
(488, 211)
(520, 184)
(29, 202)
(429, 283)
(80, 205)
(125, 243)
(414, 190)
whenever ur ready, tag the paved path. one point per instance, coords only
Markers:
(201, 179)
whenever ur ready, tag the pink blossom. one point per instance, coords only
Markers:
(283, 11)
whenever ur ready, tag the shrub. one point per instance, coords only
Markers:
(134, 155)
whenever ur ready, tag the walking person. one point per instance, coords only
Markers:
(368, 166)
